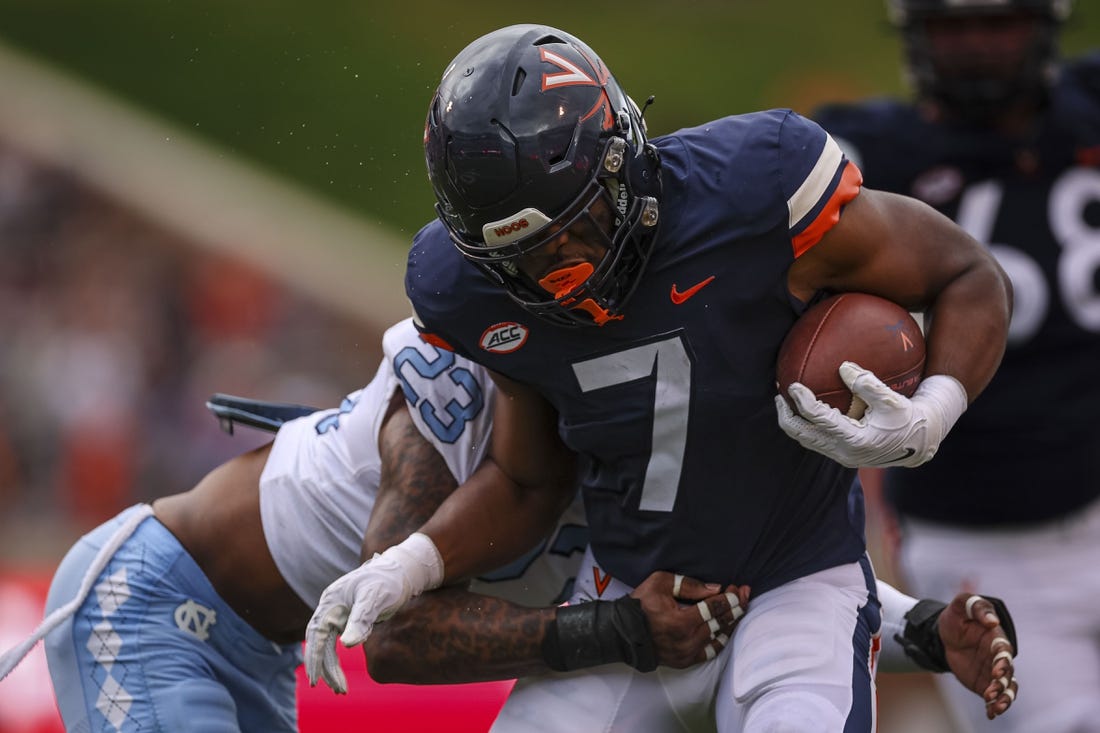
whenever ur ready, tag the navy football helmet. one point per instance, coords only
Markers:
(967, 91)
(525, 134)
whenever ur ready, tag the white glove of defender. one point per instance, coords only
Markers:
(894, 431)
(372, 592)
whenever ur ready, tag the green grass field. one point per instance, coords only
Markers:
(332, 94)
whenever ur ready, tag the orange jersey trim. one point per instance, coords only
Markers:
(436, 341)
(850, 182)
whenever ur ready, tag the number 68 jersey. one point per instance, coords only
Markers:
(1035, 202)
(319, 485)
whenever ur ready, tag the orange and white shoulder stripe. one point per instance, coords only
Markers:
(815, 207)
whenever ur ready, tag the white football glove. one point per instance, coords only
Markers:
(894, 431)
(372, 592)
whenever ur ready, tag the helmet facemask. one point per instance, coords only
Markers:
(592, 296)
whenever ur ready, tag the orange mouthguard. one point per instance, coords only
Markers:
(559, 282)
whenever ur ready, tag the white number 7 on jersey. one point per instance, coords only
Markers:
(666, 361)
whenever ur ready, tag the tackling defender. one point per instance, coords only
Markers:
(189, 614)
(248, 562)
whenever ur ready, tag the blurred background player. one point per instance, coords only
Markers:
(189, 613)
(1005, 139)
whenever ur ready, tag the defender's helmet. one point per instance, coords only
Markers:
(526, 132)
(968, 91)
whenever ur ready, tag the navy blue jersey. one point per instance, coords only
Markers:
(1028, 449)
(670, 409)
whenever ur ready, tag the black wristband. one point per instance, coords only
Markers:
(600, 632)
(921, 640)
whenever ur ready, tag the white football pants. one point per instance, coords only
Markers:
(1049, 577)
(799, 662)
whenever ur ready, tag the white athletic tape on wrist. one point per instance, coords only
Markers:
(422, 565)
(948, 395)
(425, 564)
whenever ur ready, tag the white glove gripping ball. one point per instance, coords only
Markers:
(894, 431)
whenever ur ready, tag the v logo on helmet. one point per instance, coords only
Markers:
(570, 74)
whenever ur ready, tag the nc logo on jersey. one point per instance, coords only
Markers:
(195, 620)
(504, 338)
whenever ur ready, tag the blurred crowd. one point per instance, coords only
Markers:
(113, 333)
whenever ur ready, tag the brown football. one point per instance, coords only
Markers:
(875, 333)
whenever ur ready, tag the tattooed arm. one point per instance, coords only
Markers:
(452, 635)
(449, 635)
(414, 482)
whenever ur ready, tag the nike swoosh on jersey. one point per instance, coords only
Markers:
(679, 297)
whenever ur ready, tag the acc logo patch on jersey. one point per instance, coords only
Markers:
(504, 338)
